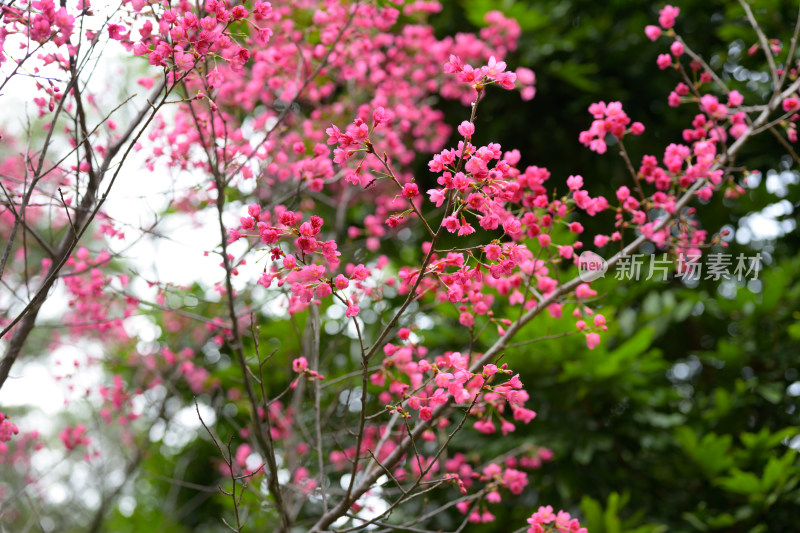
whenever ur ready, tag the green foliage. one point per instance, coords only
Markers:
(606, 520)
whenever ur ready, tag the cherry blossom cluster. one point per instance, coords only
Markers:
(494, 477)
(717, 119)
(609, 119)
(7, 431)
(493, 72)
(295, 268)
(162, 366)
(401, 70)
(184, 37)
(40, 20)
(16, 452)
(500, 196)
(448, 378)
(92, 299)
(545, 521)
(300, 365)
(75, 436)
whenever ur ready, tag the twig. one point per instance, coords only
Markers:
(762, 39)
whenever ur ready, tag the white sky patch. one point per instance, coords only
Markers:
(767, 224)
(372, 504)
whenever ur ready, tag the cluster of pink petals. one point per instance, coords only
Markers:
(300, 365)
(561, 522)
(493, 72)
(42, 22)
(90, 290)
(73, 437)
(7, 431)
(609, 119)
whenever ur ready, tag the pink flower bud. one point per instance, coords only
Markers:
(466, 129)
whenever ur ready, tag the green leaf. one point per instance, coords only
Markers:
(722, 520)
(660, 420)
(687, 439)
(577, 74)
(740, 482)
(777, 470)
(592, 514)
(710, 454)
(722, 402)
(773, 392)
(610, 519)
(774, 288)
(695, 521)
